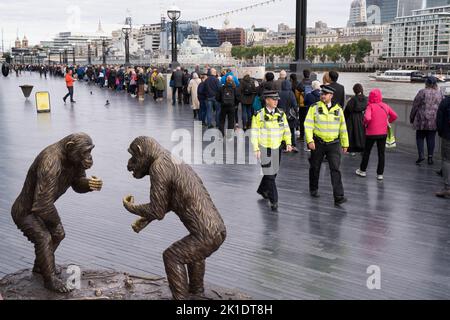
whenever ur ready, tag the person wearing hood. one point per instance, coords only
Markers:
(376, 119)
(423, 118)
(229, 73)
(248, 93)
(288, 103)
(229, 100)
(354, 117)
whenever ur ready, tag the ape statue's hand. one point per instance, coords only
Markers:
(140, 224)
(95, 183)
(128, 203)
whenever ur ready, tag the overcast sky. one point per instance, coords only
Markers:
(41, 20)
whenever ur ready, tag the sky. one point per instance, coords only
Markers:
(43, 19)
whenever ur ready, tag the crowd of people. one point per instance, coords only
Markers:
(317, 115)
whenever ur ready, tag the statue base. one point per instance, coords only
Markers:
(103, 285)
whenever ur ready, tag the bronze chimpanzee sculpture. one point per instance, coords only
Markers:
(56, 168)
(176, 187)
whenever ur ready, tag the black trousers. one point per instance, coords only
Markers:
(333, 154)
(70, 93)
(227, 112)
(303, 112)
(428, 135)
(381, 146)
(270, 163)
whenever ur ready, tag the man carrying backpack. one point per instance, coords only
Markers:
(304, 88)
(229, 100)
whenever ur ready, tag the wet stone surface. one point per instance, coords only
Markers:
(103, 285)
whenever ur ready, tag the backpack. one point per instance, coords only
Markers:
(228, 96)
(308, 89)
(247, 90)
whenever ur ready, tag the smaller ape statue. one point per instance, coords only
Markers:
(176, 187)
(56, 168)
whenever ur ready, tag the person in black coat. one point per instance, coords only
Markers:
(229, 100)
(177, 85)
(339, 96)
(288, 103)
(248, 93)
(354, 116)
(443, 128)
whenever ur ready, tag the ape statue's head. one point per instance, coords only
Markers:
(78, 148)
(144, 151)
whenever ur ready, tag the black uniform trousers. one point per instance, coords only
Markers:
(333, 154)
(270, 163)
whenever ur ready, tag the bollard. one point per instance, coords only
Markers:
(26, 90)
(5, 69)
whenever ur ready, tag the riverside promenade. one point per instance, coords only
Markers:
(310, 249)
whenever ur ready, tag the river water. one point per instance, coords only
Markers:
(406, 91)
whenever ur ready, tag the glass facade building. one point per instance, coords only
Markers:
(381, 11)
(437, 3)
(421, 38)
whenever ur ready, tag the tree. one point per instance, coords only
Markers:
(312, 53)
(323, 53)
(363, 49)
(334, 53)
(347, 52)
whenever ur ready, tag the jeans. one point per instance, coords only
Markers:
(446, 162)
(174, 95)
(333, 154)
(381, 146)
(247, 112)
(203, 108)
(70, 93)
(430, 136)
(213, 104)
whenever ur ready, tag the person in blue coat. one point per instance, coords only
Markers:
(288, 103)
(223, 80)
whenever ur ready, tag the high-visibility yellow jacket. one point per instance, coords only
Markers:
(269, 131)
(327, 124)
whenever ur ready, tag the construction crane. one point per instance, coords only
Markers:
(226, 14)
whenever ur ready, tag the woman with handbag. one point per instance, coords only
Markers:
(377, 120)
(423, 118)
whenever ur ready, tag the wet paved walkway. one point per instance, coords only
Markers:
(309, 250)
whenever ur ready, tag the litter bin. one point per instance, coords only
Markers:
(5, 69)
(26, 90)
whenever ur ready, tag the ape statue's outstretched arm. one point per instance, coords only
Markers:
(159, 200)
(82, 184)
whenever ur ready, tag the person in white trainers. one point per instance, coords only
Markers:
(376, 119)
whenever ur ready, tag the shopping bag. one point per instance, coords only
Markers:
(390, 141)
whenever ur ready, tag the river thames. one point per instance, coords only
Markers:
(398, 90)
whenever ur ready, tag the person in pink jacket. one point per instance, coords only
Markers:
(376, 119)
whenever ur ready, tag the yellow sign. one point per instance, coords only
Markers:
(42, 102)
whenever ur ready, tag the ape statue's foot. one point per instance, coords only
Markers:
(36, 269)
(57, 285)
(197, 290)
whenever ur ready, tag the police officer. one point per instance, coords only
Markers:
(326, 133)
(269, 129)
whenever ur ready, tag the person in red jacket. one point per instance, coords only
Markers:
(376, 120)
(69, 83)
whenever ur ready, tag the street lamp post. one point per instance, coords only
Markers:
(300, 62)
(89, 52)
(126, 31)
(104, 51)
(73, 53)
(174, 14)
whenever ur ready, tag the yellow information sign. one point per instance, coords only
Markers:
(42, 101)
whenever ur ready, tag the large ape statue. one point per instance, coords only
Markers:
(56, 168)
(176, 187)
